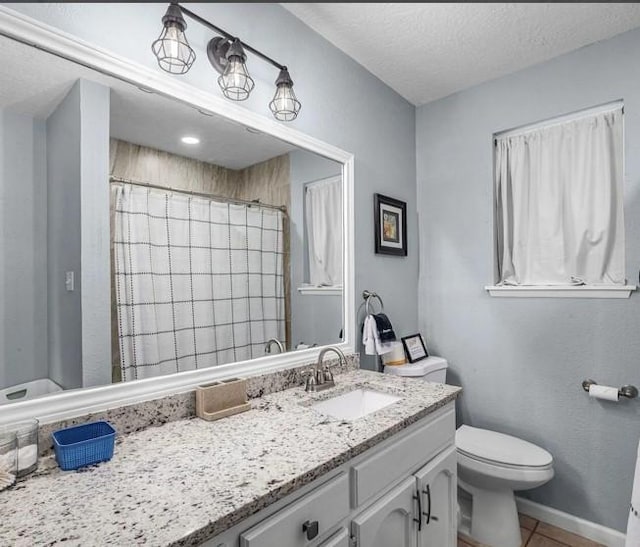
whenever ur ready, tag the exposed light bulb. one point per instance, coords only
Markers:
(285, 106)
(190, 140)
(172, 49)
(235, 82)
(172, 40)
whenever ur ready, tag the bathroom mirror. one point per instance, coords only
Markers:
(146, 237)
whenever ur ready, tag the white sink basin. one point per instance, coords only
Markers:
(355, 404)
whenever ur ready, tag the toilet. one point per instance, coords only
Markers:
(491, 466)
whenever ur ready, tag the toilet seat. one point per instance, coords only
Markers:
(499, 461)
(494, 463)
(496, 476)
(500, 450)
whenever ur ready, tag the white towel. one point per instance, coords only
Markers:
(368, 337)
(371, 338)
(633, 524)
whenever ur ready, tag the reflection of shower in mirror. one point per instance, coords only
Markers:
(28, 391)
(184, 255)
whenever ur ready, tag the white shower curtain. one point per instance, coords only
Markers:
(198, 282)
(559, 203)
(323, 208)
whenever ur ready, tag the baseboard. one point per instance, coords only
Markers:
(584, 528)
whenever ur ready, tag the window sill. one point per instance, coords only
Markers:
(580, 291)
(311, 290)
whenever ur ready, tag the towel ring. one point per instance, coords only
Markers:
(368, 295)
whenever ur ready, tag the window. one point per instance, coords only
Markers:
(323, 211)
(559, 202)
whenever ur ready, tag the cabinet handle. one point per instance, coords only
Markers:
(310, 528)
(427, 491)
(419, 519)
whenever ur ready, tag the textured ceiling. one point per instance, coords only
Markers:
(33, 82)
(428, 51)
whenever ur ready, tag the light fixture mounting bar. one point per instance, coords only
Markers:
(228, 36)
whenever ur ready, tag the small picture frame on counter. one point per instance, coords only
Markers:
(415, 348)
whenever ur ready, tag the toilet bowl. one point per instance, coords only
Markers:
(491, 466)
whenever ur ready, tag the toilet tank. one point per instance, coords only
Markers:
(431, 369)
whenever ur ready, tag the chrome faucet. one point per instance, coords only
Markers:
(319, 377)
(267, 348)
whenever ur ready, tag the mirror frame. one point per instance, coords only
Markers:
(72, 403)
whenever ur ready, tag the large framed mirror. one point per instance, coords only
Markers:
(155, 237)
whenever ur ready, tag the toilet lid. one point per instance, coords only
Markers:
(496, 447)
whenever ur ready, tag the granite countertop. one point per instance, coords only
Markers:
(189, 480)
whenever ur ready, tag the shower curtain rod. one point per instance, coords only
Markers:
(256, 203)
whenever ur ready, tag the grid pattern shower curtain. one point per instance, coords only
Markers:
(198, 282)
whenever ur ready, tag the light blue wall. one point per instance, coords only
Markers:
(78, 237)
(23, 249)
(521, 361)
(342, 104)
(64, 241)
(316, 319)
(96, 276)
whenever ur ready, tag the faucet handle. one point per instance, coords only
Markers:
(327, 374)
(309, 380)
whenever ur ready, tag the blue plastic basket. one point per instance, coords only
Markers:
(83, 445)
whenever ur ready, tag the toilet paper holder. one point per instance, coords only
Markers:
(630, 392)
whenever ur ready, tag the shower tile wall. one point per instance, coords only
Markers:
(267, 181)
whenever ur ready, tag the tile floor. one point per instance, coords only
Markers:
(539, 534)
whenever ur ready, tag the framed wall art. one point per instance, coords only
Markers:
(390, 224)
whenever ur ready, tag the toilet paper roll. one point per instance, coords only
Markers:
(607, 393)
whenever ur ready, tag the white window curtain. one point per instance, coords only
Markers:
(323, 209)
(559, 203)
(198, 282)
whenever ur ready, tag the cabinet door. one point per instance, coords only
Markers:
(437, 484)
(390, 520)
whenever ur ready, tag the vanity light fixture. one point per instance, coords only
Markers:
(172, 49)
(284, 106)
(190, 140)
(227, 55)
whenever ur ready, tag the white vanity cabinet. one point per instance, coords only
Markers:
(421, 511)
(308, 518)
(437, 487)
(390, 520)
(399, 493)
